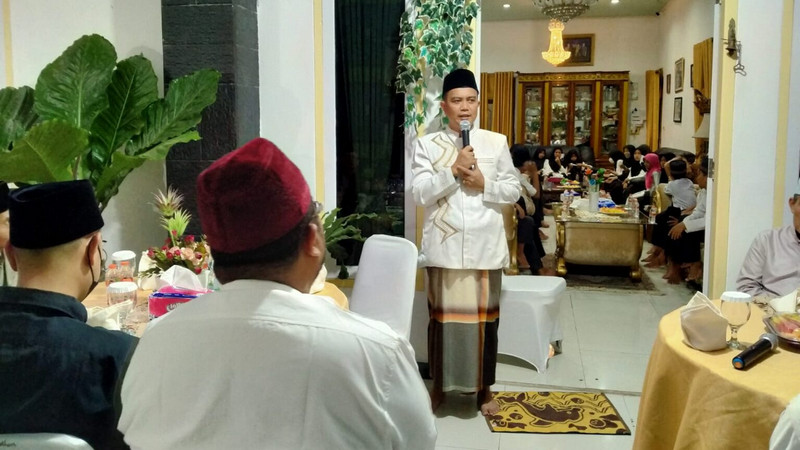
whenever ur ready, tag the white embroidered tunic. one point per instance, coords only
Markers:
(463, 227)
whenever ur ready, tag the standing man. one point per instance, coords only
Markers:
(262, 363)
(772, 265)
(462, 187)
(57, 374)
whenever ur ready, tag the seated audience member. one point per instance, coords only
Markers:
(57, 374)
(553, 166)
(532, 250)
(262, 363)
(772, 265)
(681, 190)
(612, 182)
(575, 165)
(683, 248)
(539, 158)
(635, 181)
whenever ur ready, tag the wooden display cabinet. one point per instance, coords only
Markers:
(572, 108)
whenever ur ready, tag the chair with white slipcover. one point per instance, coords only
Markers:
(385, 282)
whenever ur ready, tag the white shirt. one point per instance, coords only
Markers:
(463, 227)
(696, 221)
(548, 171)
(772, 265)
(682, 193)
(261, 365)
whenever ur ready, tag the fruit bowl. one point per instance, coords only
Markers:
(786, 326)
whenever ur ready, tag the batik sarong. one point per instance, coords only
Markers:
(464, 307)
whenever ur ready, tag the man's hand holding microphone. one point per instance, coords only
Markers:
(466, 165)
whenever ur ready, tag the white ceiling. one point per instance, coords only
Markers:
(492, 10)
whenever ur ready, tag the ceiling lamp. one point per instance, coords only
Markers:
(560, 12)
(563, 10)
(556, 54)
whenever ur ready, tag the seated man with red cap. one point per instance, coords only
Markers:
(57, 374)
(463, 187)
(262, 363)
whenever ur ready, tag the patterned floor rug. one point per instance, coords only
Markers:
(600, 278)
(556, 412)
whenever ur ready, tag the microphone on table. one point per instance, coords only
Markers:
(465, 126)
(765, 344)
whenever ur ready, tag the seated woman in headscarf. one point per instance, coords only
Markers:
(553, 165)
(635, 181)
(539, 158)
(575, 165)
(652, 167)
(613, 179)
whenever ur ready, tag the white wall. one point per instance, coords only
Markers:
(41, 30)
(755, 131)
(793, 139)
(286, 78)
(621, 44)
(683, 23)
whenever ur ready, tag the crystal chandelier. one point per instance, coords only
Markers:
(556, 54)
(563, 10)
(560, 12)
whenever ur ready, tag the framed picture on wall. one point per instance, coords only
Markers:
(678, 109)
(679, 65)
(669, 82)
(582, 48)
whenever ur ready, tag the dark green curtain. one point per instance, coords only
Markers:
(369, 114)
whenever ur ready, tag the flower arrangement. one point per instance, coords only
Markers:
(179, 249)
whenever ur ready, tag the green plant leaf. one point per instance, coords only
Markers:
(112, 176)
(45, 153)
(160, 151)
(133, 87)
(73, 87)
(16, 114)
(180, 110)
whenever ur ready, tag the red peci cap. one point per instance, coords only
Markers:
(251, 197)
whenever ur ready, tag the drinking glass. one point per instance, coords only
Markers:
(735, 307)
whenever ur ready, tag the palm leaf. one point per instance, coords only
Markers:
(73, 87)
(16, 114)
(45, 153)
(180, 110)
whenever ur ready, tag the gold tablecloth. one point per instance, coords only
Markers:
(697, 400)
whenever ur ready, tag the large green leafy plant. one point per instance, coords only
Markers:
(92, 117)
(435, 38)
(338, 229)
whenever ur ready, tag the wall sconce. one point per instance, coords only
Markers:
(734, 48)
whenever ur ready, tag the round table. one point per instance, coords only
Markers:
(693, 399)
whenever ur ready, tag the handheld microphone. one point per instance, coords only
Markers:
(765, 344)
(464, 132)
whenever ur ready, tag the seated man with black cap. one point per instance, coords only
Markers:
(262, 363)
(57, 374)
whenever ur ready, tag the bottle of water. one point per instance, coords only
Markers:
(652, 219)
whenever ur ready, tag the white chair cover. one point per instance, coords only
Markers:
(529, 308)
(786, 435)
(385, 282)
(43, 441)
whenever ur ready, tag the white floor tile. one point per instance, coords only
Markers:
(625, 324)
(527, 441)
(632, 401)
(461, 425)
(612, 371)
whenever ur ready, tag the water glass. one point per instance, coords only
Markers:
(735, 307)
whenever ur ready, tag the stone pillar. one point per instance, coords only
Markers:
(223, 35)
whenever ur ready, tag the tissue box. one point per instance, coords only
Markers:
(161, 303)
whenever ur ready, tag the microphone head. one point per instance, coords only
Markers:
(773, 339)
(465, 125)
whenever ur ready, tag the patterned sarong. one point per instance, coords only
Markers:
(464, 307)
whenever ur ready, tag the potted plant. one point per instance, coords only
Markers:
(338, 229)
(93, 117)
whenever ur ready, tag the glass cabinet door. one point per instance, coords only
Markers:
(582, 114)
(609, 117)
(533, 115)
(559, 115)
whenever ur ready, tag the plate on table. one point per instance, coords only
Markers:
(616, 211)
(786, 326)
